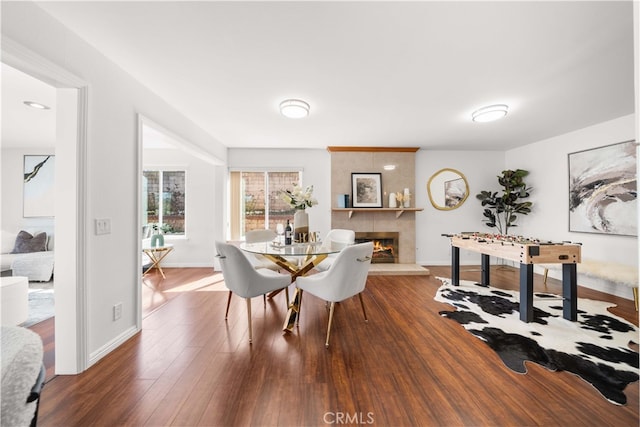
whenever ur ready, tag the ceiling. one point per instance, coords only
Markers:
(25, 126)
(374, 73)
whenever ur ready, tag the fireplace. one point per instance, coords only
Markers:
(385, 245)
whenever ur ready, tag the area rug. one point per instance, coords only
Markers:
(41, 305)
(595, 347)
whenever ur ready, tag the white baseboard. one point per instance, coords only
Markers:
(112, 345)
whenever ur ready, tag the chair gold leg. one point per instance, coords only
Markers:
(546, 273)
(286, 293)
(333, 306)
(363, 310)
(249, 319)
(228, 302)
(635, 297)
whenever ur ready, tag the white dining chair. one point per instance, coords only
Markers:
(346, 278)
(257, 236)
(242, 279)
(336, 239)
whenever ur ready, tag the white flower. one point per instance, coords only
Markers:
(299, 198)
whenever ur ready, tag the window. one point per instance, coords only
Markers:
(256, 202)
(163, 195)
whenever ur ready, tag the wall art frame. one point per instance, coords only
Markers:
(366, 190)
(602, 190)
(38, 187)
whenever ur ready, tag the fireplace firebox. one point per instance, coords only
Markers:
(385, 245)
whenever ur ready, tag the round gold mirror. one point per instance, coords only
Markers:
(448, 189)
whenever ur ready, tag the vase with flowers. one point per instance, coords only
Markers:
(404, 198)
(299, 199)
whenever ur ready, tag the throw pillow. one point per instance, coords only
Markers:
(26, 243)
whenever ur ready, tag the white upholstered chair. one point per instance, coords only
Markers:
(244, 280)
(256, 236)
(336, 238)
(346, 278)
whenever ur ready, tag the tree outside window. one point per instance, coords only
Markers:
(257, 201)
(164, 194)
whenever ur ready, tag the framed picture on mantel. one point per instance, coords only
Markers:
(366, 190)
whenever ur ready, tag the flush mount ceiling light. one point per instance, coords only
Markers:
(36, 105)
(490, 113)
(294, 108)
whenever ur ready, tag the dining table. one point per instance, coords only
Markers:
(298, 259)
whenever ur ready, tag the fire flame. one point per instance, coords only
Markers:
(378, 247)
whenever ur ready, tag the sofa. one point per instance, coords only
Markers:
(23, 375)
(28, 254)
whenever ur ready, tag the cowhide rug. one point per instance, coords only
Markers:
(596, 347)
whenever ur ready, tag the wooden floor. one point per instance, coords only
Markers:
(406, 367)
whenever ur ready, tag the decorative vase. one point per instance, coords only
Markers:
(407, 198)
(300, 225)
(392, 200)
(157, 240)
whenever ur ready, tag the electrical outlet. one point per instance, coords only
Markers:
(117, 311)
(103, 226)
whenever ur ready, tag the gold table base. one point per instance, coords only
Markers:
(309, 262)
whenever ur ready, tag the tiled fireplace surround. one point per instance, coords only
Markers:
(344, 161)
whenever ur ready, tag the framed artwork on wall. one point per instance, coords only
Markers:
(602, 190)
(38, 186)
(366, 190)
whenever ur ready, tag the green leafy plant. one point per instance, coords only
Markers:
(501, 209)
(161, 228)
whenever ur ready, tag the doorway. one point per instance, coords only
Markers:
(71, 355)
(28, 169)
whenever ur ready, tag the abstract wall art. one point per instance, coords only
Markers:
(603, 190)
(38, 186)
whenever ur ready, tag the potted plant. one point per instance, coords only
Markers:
(500, 210)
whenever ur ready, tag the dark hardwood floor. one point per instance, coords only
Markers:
(407, 366)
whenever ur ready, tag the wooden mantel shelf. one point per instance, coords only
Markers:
(334, 148)
(398, 211)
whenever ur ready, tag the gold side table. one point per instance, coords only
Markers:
(156, 254)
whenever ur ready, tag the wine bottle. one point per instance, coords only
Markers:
(288, 231)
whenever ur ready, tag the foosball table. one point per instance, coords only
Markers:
(527, 252)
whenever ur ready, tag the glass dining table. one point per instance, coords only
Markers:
(298, 259)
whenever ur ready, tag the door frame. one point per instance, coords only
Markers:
(71, 341)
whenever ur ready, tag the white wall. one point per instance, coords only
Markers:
(196, 248)
(12, 186)
(480, 168)
(115, 99)
(547, 163)
(316, 167)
